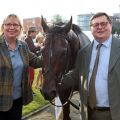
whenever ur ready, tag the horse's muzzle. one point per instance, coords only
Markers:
(48, 95)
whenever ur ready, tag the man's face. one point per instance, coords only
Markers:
(101, 28)
(33, 34)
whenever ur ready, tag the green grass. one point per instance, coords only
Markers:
(38, 100)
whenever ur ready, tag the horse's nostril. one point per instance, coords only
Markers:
(46, 96)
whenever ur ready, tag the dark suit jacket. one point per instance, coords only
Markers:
(80, 74)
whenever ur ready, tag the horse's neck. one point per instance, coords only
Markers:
(84, 40)
(76, 41)
(74, 47)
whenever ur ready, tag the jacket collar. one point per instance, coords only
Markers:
(115, 52)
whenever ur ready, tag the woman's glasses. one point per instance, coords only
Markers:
(14, 25)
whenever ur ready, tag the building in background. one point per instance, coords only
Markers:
(116, 20)
(83, 20)
(29, 22)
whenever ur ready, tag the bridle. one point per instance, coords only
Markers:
(62, 73)
(66, 63)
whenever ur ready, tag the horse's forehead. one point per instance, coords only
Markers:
(58, 39)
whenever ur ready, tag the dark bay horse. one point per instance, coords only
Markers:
(59, 53)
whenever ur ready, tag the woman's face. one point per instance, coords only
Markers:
(11, 28)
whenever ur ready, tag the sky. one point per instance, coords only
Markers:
(49, 8)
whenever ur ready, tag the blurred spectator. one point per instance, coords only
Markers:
(39, 42)
(35, 49)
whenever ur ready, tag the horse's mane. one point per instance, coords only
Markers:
(71, 37)
(56, 27)
(84, 40)
(76, 29)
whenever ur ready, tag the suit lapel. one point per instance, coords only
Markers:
(23, 53)
(88, 53)
(5, 53)
(115, 53)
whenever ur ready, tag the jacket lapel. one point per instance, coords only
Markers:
(5, 53)
(88, 53)
(115, 53)
(23, 54)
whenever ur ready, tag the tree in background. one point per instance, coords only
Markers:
(116, 25)
(57, 19)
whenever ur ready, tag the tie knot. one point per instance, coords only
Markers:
(99, 46)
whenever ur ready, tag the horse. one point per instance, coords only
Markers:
(61, 45)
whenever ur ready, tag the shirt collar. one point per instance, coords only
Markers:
(106, 43)
(18, 43)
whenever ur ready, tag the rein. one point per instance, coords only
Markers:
(65, 102)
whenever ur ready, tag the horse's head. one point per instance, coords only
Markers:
(56, 57)
(61, 45)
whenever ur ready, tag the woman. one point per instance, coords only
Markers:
(15, 59)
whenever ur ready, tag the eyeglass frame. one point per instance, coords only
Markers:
(14, 25)
(102, 24)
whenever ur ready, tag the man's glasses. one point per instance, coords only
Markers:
(14, 25)
(102, 24)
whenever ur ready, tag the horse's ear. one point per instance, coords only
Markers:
(44, 25)
(68, 26)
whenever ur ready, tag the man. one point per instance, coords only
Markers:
(31, 36)
(106, 100)
(35, 49)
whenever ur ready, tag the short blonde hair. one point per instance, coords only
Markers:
(11, 15)
(40, 38)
